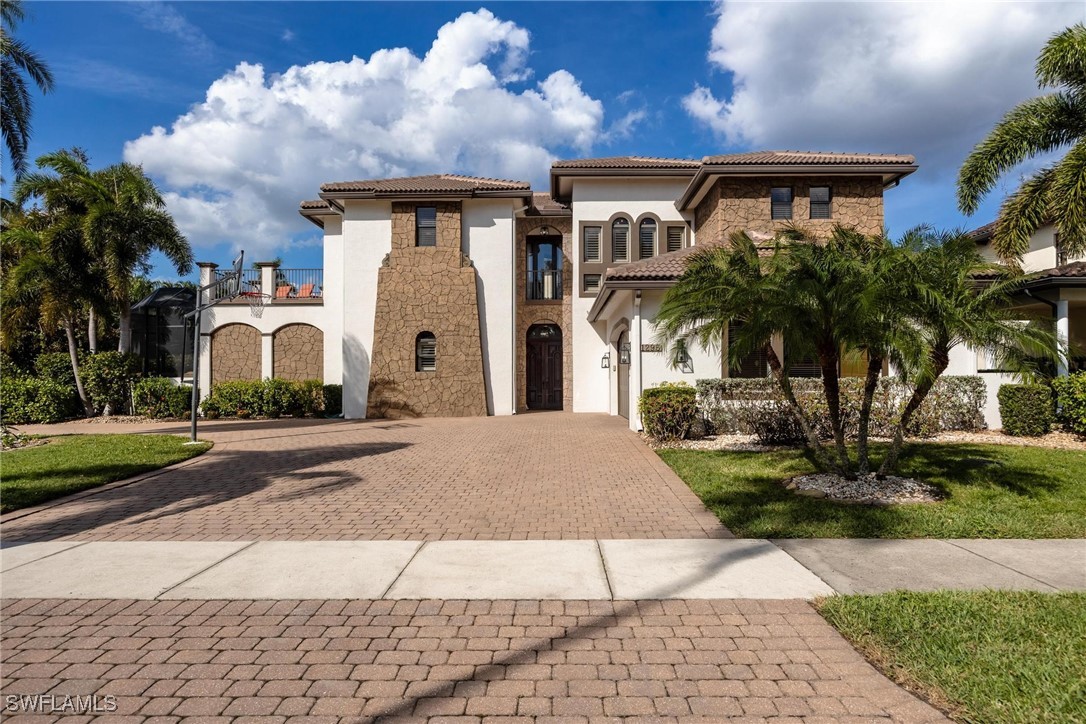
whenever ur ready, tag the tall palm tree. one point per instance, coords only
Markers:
(16, 105)
(1042, 125)
(123, 220)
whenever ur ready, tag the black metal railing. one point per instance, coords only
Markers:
(299, 284)
(545, 284)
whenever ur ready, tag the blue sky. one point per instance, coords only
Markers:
(257, 103)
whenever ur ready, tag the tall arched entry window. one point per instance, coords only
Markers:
(544, 368)
(544, 266)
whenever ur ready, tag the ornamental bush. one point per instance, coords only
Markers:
(267, 398)
(1026, 410)
(668, 412)
(108, 378)
(36, 400)
(161, 397)
(57, 366)
(1071, 401)
(332, 402)
(236, 398)
(279, 397)
(756, 407)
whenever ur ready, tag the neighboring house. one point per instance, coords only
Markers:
(1055, 288)
(454, 295)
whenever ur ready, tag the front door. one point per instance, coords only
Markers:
(544, 357)
(623, 376)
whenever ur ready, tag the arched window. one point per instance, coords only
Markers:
(620, 240)
(647, 239)
(426, 352)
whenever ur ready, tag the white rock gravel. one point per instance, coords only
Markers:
(865, 489)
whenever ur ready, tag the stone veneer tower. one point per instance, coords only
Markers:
(426, 289)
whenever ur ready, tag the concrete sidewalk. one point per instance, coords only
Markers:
(541, 570)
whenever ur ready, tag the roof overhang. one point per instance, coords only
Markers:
(608, 289)
(316, 215)
(337, 197)
(891, 174)
(562, 177)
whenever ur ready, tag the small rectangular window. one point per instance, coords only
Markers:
(820, 202)
(781, 202)
(592, 236)
(426, 226)
(592, 282)
(674, 238)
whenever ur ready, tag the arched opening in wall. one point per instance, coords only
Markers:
(544, 265)
(235, 353)
(298, 352)
(544, 367)
(624, 354)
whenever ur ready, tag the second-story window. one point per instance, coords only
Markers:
(820, 202)
(675, 238)
(646, 239)
(592, 243)
(426, 226)
(620, 240)
(780, 198)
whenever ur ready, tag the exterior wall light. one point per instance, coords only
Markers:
(685, 363)
(605, 362)
(624, 354)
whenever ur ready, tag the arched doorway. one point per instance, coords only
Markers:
(624, 374)
(544, 373)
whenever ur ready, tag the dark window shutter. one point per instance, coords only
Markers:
(781, 202)
(674, 238)
(592, 282)
(592, 243)
(425, 352)
(620, 240)
(820, 202)
(426, 226)
(647, 239)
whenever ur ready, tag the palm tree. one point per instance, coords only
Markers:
(949, 306)
(1042, 125)
(47, 280)
(123, 220)
(16, 105)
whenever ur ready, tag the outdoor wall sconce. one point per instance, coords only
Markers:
(605, 362)
(624, 354)
(544, 231)
(685, 363)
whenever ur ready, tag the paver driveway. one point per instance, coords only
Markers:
(534, 476)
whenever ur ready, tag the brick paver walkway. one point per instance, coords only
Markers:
(449, 661)
(534, 476)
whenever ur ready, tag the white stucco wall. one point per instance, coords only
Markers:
(488, 240)
(367, 238)
(599, 200)
(333, 300)
(1041, 254)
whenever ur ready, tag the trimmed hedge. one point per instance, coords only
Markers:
(668, 412)
(272, 398)
(57, 366)
(1026, 410)
(34, 400)
(332, 399)
(756, 407)
(108, 378)
(161, 397)
(1071, 401)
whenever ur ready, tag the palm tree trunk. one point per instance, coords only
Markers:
(940, 359)
(124, 345)
(92, 331)
(73, 351)
(871, 385)
(831, 385)
(822, 459)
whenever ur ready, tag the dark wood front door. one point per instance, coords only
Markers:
(623, 378)
(544, 357)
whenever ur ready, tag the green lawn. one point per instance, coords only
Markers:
(70, 463)
(992, 491)
(991, 656)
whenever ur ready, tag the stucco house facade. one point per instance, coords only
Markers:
(448, 295)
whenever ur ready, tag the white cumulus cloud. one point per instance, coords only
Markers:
(928, 78)
(235, 165)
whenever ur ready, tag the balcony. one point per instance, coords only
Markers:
(545, 285)
(284, 286)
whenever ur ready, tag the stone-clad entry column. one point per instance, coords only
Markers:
(426, 289)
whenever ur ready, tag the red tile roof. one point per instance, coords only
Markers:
(806, 158)
(315, 204)
(630, 162)
(662, 267)
(432, 183)
(544, 205)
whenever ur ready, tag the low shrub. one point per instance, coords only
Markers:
(161, 397)
(311, 397)
(236, 398)
(756, 407)
(108, 378)
(1026, 410)
(36, 400)
(1071, 401)
(272, 397)
(669, 411)
(279, 397)
(332, 400)
(57, 366)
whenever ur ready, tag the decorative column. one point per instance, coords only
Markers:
(267, 277)
(635, 363)
(1063, 332)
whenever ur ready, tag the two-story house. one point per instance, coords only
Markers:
(455, 295)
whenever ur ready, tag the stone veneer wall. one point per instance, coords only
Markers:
(426, 289)
(741, 204)
(298, 352)
(235, 353)
(531, 312)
